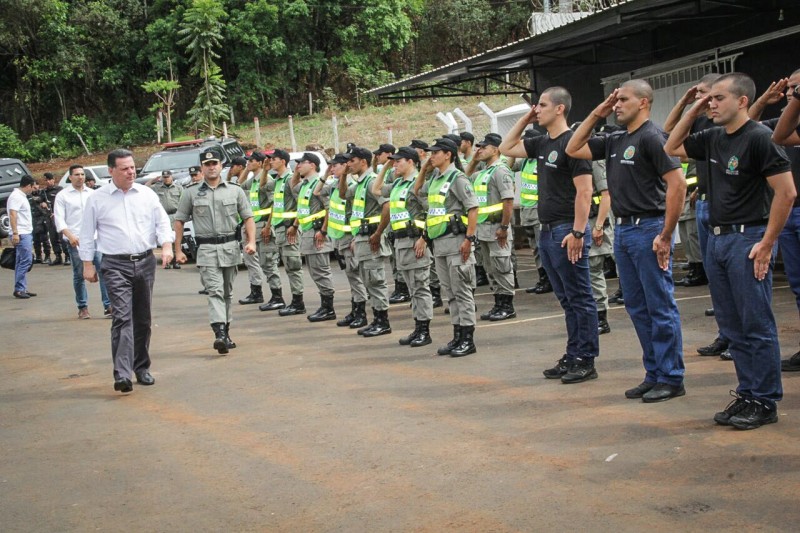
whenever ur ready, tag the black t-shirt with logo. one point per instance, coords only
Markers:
(635, 163)
(739, 163)
(556, 172)
(793, 153)
(702, 123)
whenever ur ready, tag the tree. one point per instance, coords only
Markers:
(165, 91)
(201, 30)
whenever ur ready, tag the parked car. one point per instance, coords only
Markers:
(99, 172)
(11, 170)
(179, 156)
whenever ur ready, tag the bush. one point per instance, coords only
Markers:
(42, 146)
(11, 145)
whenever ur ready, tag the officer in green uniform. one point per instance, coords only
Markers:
(195, 179)
(529, 215)
(602, 243)
(284, 213)
(215, 208)
(251, 185)
(436, 289)
(385, 170)
(340, 232)
(406, 216)
(169, 194)
(451, 225)
(494, 188)
(369, 246)
(316, 247)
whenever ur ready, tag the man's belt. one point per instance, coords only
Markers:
(220, 239)
(129, 257)
(635, 220)
(550, 225)
(733, 228)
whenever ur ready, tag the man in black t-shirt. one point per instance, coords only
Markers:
(789, 240)
(647, 191)
(745, 220)
(565, 193)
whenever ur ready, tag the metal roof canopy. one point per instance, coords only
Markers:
(585, 41)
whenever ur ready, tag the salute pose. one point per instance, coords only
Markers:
(565, 193)
(647, 190)
(745, 224)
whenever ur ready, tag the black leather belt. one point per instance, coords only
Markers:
(550, 225)
(220, 239)
(635, 220)
(129, 257)
(733, 228)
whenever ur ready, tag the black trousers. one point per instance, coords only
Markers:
(55, 238)
(130, 289)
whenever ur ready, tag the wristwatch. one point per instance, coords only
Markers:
(323, 232)
(577, 234)
(471, 238)
(504, 227)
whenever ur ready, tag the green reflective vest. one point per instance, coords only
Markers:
(689, 181)
(481, 185)
(304, 215)
(398, 211)
(360, 205)
(438, 217)
(258, 213)
(529, 193)
(278, 213)
(338, 225)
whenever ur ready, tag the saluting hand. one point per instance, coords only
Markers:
(605, 109)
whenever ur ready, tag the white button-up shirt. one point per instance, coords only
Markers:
(68, 208)
(129, 222)
(18, 201)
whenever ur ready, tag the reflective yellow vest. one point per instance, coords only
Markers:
(305, 217)
(481, 185)
(255, 203)
(438, 218)
(360, 204)
(278, 214)
(337, 216)
(529, 194)
(398, 211)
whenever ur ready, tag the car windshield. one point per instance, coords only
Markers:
(101, 172)
(171, 161)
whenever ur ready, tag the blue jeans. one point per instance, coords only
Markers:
(744, 312)
(79, 284)
(701, 212)
(24, 262)
(573, 288)
(789, 241)
(650, 300)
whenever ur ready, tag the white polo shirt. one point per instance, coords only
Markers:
(18, 201)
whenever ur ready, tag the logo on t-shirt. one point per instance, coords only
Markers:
(629, 152)
(552, 157)
(733, 164)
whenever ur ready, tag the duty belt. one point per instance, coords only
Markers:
(220, 239)
(129, 257)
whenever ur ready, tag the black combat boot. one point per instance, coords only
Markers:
(349, 317)
(228, 340)
(436, 295)
(481, 278)
(221, 338)
(696, 277)
(400, 293)
(276, 302)
(38, 259)
(454, 342)
(494, 309)
(505, 310)
(297, 307)
(544, 286)
(325, 311)
(255, 296)
(424, 336)
(405, 341)
(466, 346)
(602, 322)
(381, 326)
(360, 316)
(617, 297)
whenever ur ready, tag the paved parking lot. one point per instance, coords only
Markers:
(312, 428)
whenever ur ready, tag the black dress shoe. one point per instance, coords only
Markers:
(715, 348)
(202, 291)
(791, 364)
(123, 385)
(639, 390)
(663, 392)
(22, 295)
(145, 378)
(31, 294)
(709, 311)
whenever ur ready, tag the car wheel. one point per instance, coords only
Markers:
(5, 223)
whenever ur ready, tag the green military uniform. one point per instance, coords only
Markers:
(687, 222)
(169, 196)
(215, 213)
(284, 212)
(493, 185)
(311, 210)
(366, 215)
(598, 254)
(407, 220)
(253, 262)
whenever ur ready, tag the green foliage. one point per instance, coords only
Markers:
(11, 145)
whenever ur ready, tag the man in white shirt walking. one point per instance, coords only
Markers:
(68, 214)
(129, 222)
(19, 210)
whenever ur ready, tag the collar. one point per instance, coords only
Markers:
(112, 188)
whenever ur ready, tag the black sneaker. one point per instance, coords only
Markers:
(734, 408)
(792, 364)
(755, 414)
(715, 348)
(582, 369)
(726, 356)
(639, 390)
(561, 368)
